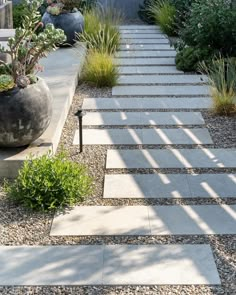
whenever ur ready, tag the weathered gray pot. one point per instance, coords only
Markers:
(24, 114)
(70, 23)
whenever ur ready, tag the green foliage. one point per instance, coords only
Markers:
(211, 24)
(100, 70)
(188, 58)
(26, 48)
(144, 12)
(18, 15)
(6, 83)
(100, 32)
(164, 15)
(221, 74)
(49, 182)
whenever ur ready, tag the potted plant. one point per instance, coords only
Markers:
(25, 99)
(64, 14)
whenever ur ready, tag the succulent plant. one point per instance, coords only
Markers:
(22, 81)
(6, 83)
(56, 7)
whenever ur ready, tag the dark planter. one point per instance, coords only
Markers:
(70, 23)
(24, 114)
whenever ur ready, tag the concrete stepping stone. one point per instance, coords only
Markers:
(144, 136)
(129, 70)
(150, 103)
(174, 158)
(144, 41)
(169, 186)
(138, 27)
(144, 61)
(162, 79)
(144, 47)
(141, 35)
(147, 54)
(108, 265)
(145, 220)
(143, 118)
(141, 31)
(171, 90)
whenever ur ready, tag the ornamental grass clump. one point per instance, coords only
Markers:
(26, 48)
(221, 74)
(100, 70)
(49, 182)
(163, 13)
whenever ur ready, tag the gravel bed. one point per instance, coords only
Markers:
(19, 226)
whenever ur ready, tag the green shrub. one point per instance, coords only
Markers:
(18, 15)
(144, 12)
(49, 182)
(221, 74)
(211, 25)
(188, 58)
(164, 15)
(100, 70)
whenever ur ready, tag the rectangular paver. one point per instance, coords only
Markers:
(142, 35)
(145, 47)
(146, 220)
(174, 158)
(138, 27)
(171, 90)
(143, 118)
(144, 136)
(169, 186)
(140, 31)
(144, 41)
(126, 70)
(51, 265)
(102, 220)
(162, 79)
(159, 264)
(108, 265)
(144, 61)
(148, 103)
(154, 53)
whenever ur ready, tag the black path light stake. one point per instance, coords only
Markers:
(80, 113)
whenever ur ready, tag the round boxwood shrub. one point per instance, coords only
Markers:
(49, 182)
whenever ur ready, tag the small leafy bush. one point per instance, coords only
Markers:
(221, 75)
(211, 24)
(188, 58)
(164, 15)
(100, 70)
(49, 182)
(18, 15)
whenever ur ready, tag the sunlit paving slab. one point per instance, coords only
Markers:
(138, 27)
(172, 90)
(148, 103)
(144, 61)
(51, 265)
(192, 220)
(140, 31)
(162, 79)
(126, 70)
(136, 47)
(144, 41)
(174, 158)
(143, 118)
(108, 265)
(142, 35)
(144, 136)
(145, 220)
(154, 53)
(169, 186)
(102, 220)
(159, 265)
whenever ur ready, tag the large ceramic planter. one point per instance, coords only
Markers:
(24, 114)
(70, 23)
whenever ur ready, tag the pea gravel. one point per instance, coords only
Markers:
(19, 226)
